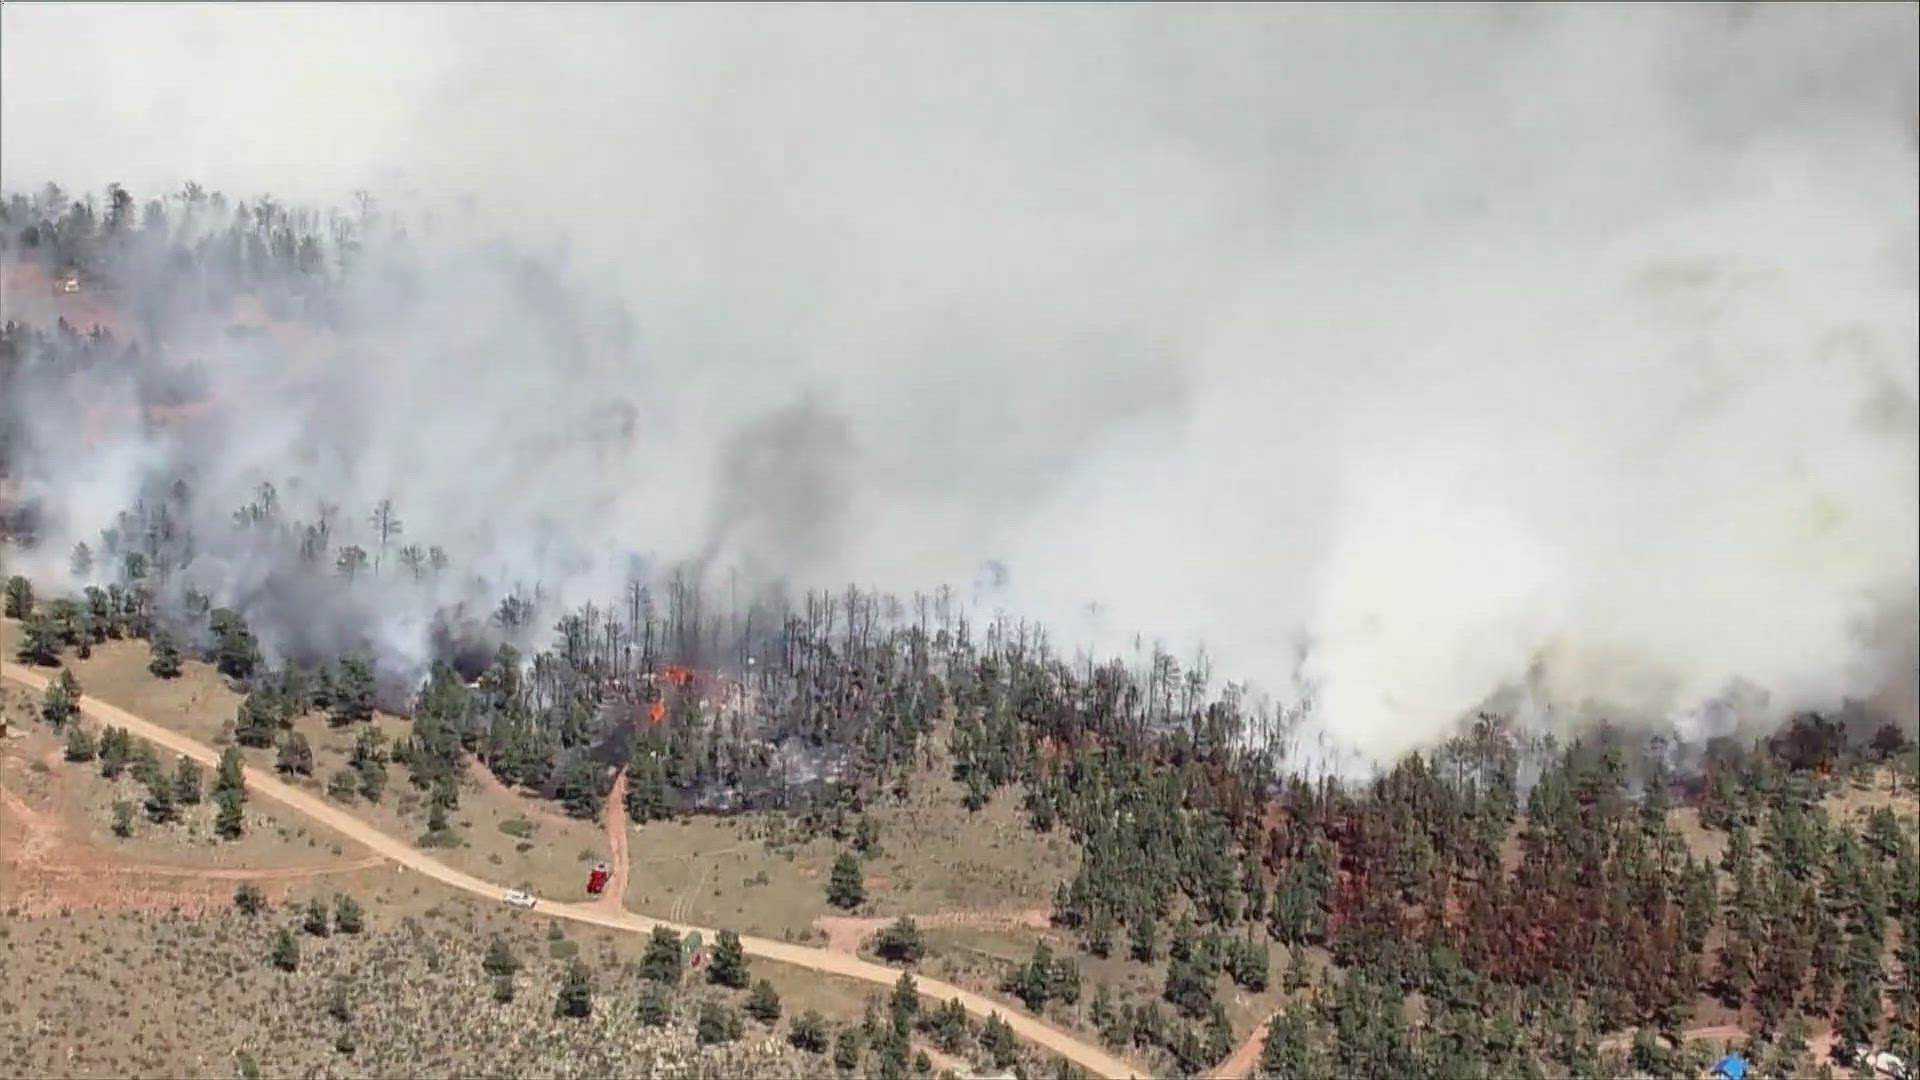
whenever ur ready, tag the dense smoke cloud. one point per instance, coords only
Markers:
(1463, 347)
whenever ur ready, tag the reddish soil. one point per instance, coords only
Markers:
(846, 932)
(50, 870)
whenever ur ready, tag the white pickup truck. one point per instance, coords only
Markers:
(519, 898)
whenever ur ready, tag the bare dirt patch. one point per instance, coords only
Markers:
(845, 933)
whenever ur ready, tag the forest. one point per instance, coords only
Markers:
(1502, 905)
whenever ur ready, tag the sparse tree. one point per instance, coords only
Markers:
(728, 965)
(347, 917)
(122, 819)
(763, 1003)
(161, 809)
(386, 526)
(717, 1024)
(845, 886)
(664, 958)
(656, 1005)
(286, 951)
(230, 775)
(808, 1032)
(164, 663)
(80, 745)
(57, 705)
(351, 561)
(186, 781)
(500, 959)
(900, 943)
(576, 993)
(248, 899)
(19, 597)
(228, 822)
(316, 921)
(295, 757)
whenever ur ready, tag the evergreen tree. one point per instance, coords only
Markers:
(316, 921)
(186, 781)
(228, 822)
(347, 916)
(295, 757)
(352, 692)
(576, 993)
(165, 660)
(161, 809)
(717, 1024)
(900, 942)
(286, 951)
(763, 1003)
(845, 886)
(249, 899)
(809, 1032)
(656, 1005)
(58, 705)
(728, 965)
(1285, 1054)
(80, 746)
(19, 597)
(664, 958)
(229, 777)
(499, 959)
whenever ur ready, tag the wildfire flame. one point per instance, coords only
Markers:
(658, 711)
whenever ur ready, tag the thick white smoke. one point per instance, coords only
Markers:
(1471, 345)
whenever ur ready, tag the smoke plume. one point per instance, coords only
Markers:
(1458, 349)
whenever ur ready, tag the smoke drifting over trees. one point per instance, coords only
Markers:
(1455, 350)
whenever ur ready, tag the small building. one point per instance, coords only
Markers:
(1731, 1067)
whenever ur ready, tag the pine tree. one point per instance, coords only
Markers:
(499, 959)
(296, 756)
(664, 958)
(717, 1024)
(845, 886)
(186, 781)
(80, 745)
(19, 597)
(286, 951)
(347, 917)
(57, 706)
(229, 777)
(165, 661)
(161, 809)
(763, 1003)
(656, 1005)
(228, 822)
(900, 943)
(728, 965)
(576, 993)
(316, 922)
(809, 1032)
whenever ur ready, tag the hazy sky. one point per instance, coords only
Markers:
(1464, 341)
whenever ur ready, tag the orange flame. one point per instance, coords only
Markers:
(658, 712)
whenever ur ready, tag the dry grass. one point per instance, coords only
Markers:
(171, 995)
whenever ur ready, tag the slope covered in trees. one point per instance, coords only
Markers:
(1492, 907)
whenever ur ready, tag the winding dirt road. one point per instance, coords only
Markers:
(1087, 1056)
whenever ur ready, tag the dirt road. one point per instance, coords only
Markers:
(265, 785)
(616, 814)
(1239, 1064)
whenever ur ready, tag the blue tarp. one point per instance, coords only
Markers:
(1733, 1067)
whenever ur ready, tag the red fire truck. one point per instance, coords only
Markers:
(597, 879)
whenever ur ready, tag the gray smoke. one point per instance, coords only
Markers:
(1565, 348)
